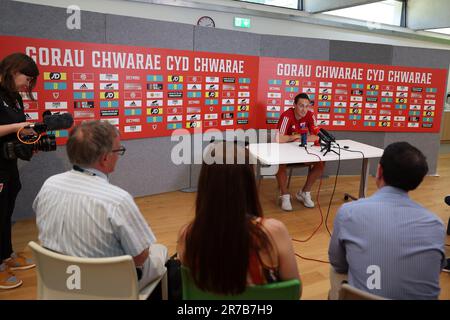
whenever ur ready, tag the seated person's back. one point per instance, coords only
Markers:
(79, 213)
(229, 245)
(388, 244)
(391, 236)
(86, 216)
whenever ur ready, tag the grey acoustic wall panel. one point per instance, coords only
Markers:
(147, 168)
(419, 57)
(149, 33)
(195, 174)
(33, 174)
(360, 52)
(29, 20)
(428, 143)
(204, 140)
(197, 154)
(226, 41)
(426, 58)
(293, 47)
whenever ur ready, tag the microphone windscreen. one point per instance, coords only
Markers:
(58, 121)
(329, 135)
(323, 137)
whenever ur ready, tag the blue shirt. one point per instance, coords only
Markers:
(389, 245)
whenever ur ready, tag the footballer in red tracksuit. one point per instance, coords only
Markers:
(291, 124)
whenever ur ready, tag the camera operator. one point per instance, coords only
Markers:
(18, 72)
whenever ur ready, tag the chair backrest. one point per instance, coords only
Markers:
(348, 292)
(284, 290)
(66, 277)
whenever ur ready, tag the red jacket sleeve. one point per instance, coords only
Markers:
(283, 125)
(312, 123)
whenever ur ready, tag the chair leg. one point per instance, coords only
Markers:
(164, 287)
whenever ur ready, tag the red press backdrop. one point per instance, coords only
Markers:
(145, 92)
(149, 92)
(354, 96)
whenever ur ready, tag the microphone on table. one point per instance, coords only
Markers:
(328, 135)
(323, 137)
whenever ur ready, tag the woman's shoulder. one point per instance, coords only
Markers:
(182, 231)
(273, 225)
(181, 241)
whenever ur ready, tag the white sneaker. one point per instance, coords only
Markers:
(305, 197)
(285, 201)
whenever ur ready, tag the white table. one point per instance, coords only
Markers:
(288, 153)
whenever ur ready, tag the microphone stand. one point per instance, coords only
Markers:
(326, 146)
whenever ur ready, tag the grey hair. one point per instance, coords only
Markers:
(89, 141)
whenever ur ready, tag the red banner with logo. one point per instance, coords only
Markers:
(354, 96)
(150, 92)
(145, 92)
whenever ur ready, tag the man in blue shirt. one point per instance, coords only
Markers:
(388, 244)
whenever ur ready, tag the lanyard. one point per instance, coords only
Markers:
(77, 168)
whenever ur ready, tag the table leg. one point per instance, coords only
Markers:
(362, 182)
(363, 179)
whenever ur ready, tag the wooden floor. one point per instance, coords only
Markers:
(166, 213)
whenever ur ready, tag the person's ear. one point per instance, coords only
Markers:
(104, 158)
(379, 174)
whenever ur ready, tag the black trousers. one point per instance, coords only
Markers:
(9, 188)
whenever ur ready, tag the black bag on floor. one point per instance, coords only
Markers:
(174, 283)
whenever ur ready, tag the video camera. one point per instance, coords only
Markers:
(26, 145)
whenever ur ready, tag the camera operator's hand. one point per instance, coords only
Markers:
(27, 132)
(12, 128)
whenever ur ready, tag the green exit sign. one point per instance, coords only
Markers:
(241, 22)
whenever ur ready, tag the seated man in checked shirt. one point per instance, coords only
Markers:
(80, 213)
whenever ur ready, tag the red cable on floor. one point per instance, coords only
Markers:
(321, 218)
(310, 259)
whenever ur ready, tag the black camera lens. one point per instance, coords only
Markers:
(46, 143)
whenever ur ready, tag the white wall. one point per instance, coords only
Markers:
(261, 25)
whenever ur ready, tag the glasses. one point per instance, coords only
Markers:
(120, 151)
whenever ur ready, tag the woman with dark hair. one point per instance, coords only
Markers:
(229, 244)
(18, 72)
